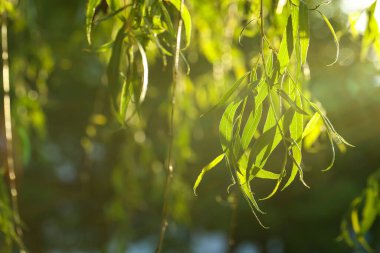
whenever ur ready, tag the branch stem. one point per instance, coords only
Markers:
(170, 163)
(10, 163)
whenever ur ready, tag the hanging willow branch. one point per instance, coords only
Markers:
(170, 165)
(10, 164)
(281, 112)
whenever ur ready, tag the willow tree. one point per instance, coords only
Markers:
(258, 49)
(267, 107)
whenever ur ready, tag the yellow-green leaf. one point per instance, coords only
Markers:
(304, 32)
(286, 46)
(226, 125)
(336, 41)
(90, 12)
(207, 168)
(185, 15)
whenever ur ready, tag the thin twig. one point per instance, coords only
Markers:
(8, 131)
(170, 166)
(233, 224)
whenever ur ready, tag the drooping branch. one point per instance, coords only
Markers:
(10, 163)
(170, 162)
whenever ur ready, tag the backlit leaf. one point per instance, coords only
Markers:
(296, 130)
(207, 168)
(185, 15)
(336, 41)
(90, 12)
(286, 46)
(291, 102)
(113, 70)
(144, 60)
(226, 125)
(231, 91)
(251, 126)
(304, 32)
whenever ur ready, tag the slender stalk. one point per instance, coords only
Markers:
(10, 164)
(170, 166)
(262, 37)
(233, 223)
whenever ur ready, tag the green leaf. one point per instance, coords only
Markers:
(255, 117)
(113, 70)
(251, 126)
(229, 93)
(283, 171)
(114, 4)
(345, 233)
(167, 18)
(144, 86)
(261, 92)
(90, 12)
(185, 15)
(247, 193)
(207, 168)
(370, 211)
(264, 146)
(266, 174)
(246, 189)
(312, 124)
(296, 130)
(112, 14)
(226, 125)
(336, 41)
(332, 150)
(304, 32)
(269, 65)
(285, 96)
(355, 221)
(312, 130)
(286, 46)
(296, 40)
(124, 101)
(103, 48)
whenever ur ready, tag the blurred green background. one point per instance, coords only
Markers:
(88, 185)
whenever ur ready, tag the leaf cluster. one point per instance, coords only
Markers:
(272, 112)
(362, 214)
(141, 25)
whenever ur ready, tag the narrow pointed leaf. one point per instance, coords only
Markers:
(90, 13)
(207, 168)
(144, 60)
(370, 211)
(291, 102)
(266, 174)
(333, 152)
(312, 124)
(113, 70)
(355, 221)
(304, 32)
(226, 125)
(251, 126)
(167, 19)
(295, 25)
(282, 174)
(231, 91)
(111, 15)
(246, 189)
(286, 46)
(336, 41)
(296, 130)
(185, 15)
(345, 234)
(124, 101)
